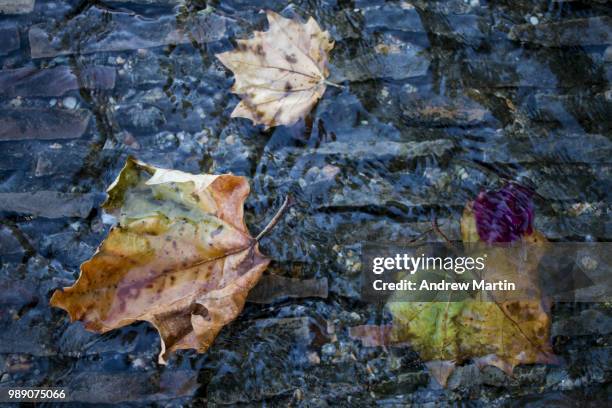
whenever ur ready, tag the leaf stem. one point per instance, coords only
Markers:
(288, 201)
(448, 243)
(330, 83)
(437, 230)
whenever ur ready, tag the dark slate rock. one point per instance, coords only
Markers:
(42, 124)
(130, 386)
(580, 110)
(579, 31)
(287, 339)
(139, 116)
(552, 147)
(511, 68)
(133, 339)
(149, 2)
(377, 150)
(445, 22)
(45, 158)
(48, 204)
(15, 292)
(121, 31)
(16, 6)
(587, 322)
(54, 81)
(440, 111)
(10, 39)
(10, 247)
(463, 28)
(29, 334)
(393, 17)
(384, 62)
(67, 248)
(599, 227)
(272, 288)
(59, 161)
(25, 327)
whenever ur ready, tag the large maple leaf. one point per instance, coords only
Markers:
(181, 258)
(280, 73)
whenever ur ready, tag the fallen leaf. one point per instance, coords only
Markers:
(503, 215)
(181, 258)
(489, 331)
(280, 73)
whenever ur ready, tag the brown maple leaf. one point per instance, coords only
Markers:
(181, 258)
(280, 73)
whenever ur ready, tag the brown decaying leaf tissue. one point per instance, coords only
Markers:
(488, 332)
(280, 73)
(181, 258)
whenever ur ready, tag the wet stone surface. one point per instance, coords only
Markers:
(441, 99)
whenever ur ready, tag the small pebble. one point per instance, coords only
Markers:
(69, 102)
(608, 54)
(328, 349)
(139, 363)
(108, 219)
(534, 20)
(329, 171)
(313, 358)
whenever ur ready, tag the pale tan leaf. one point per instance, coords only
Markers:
(280, 73)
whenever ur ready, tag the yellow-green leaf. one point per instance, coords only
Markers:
(180, 258)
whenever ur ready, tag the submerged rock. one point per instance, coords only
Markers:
(10, 39)
(130, 386)
(43, 124)
(590, 321)
(248, 374)
(589, 111)
(10, 247)
(560, 147)
(273, 288)
(48, 204)
(403, 17)
(121, 31)
(149, 2)
(16, 6)
(140, 116)
(578, 31)
(439, 111)
(54, 81)
(384, 62)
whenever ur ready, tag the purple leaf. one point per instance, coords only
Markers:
(504, 215)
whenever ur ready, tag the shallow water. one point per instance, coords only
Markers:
(440, 101)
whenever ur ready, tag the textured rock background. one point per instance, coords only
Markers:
(442, 99)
